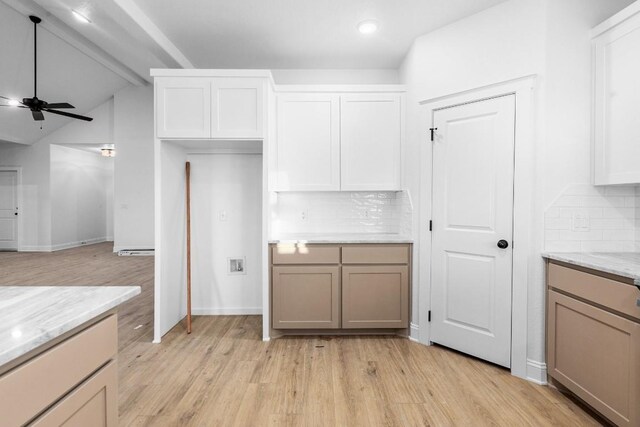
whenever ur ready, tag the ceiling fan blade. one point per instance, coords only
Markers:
(10, 99)
(13, 106)
(59, 105)
(73, 116)
(37, 115)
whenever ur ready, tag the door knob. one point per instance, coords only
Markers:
(503, 244)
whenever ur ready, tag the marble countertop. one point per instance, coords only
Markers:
(31, 316)
(341, 238)
(625, 264)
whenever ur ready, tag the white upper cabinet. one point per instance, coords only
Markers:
(370, 141)
(237, 108)
(210, 107)
(183, 107)
(616, 132)
(350, 141)
(308, 135)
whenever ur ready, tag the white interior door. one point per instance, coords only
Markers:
(8, 210)
(473, 163)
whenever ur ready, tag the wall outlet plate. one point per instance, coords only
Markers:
(580, 222)
(236, 265)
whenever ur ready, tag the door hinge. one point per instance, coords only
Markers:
(429, 316)
(430, 225)
(433, 130)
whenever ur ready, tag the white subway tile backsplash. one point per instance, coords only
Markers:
(343, 212)
(594, 219)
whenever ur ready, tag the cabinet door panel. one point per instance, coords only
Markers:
(596, 355)
(308, 142)
(237, 108)
(371, 139)
(306, 297)
(375, 297)
(183, 108)
(93, 403)
(617, 94)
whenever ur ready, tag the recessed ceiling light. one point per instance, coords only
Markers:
(80, 17)
(14, 102)
(368, 27)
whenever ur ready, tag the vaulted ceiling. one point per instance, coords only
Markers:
(85, 64)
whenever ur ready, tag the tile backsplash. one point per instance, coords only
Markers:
(594, 219)
(387, 212)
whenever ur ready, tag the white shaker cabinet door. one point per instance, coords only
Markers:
(371, 140)
(183, 107)
(616, 99)
(308, 142)
(237, 108)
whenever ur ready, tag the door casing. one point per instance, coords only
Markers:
(524, 221)
(18, 171)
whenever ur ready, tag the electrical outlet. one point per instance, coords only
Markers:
(303, 215)
(222, 216)
(580, 222)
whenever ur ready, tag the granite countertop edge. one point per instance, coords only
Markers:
(624, 264)
(66, 320)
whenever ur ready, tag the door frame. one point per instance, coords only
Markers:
(523, 203)
(18, 171)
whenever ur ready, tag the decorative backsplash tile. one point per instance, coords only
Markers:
(593, 219)
(342, 212)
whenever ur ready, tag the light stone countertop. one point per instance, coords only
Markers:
(31, 316)
(341, 238)
(625, 264)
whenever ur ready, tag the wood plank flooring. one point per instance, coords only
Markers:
(224, 375)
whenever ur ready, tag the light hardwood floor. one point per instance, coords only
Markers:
(224, 375)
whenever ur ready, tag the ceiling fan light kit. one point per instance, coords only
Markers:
(37, 106)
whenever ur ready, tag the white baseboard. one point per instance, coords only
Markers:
(414, 332)
(34, 249)
(69, 245)
(226, 311)
(536, 372)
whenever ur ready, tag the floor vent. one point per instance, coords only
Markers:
(136, 252)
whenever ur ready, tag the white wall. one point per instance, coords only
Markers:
(314, 76)
(511, 40)
(229, 183)
(36, 202)
(133, 170)
(170, 292)
(79, 197)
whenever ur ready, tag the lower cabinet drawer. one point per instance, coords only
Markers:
(375, 254)
(596, 355)
(92, 403)
(35, 385)
(375, 297)
(306, 297)
(610, 293)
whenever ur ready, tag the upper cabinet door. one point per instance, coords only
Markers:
(371, 141)
(183, 107)
(616, 99)
(308, 142)
(237, 108)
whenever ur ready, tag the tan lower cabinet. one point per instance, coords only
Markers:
(593, 345)
(375, 296)
(348, 287)
(306, 297)
(73, 383)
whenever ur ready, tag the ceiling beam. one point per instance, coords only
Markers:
(64, 32)
(143, 21)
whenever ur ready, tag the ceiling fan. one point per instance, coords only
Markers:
(37, 106)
